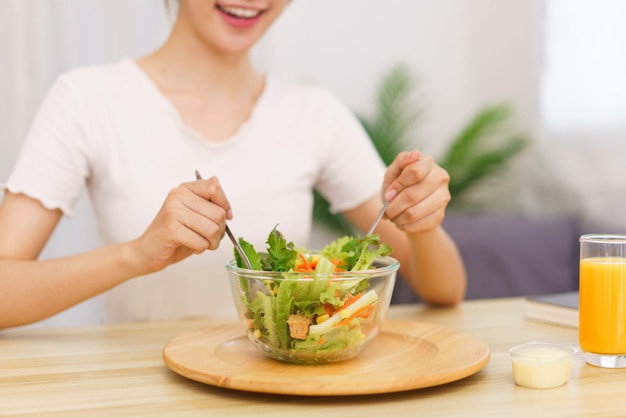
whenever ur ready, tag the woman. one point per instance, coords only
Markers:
(134, 132)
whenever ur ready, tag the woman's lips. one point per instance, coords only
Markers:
(238, 16)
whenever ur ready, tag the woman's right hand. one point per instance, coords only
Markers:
(191, 220)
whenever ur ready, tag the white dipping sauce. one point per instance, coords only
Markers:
(541, 365)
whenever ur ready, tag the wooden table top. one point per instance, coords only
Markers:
(118, 370)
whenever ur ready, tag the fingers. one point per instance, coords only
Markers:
(191, 220)
(210, 190)
(392, 184)
(418, 190)
(208, 210)
(427, 213)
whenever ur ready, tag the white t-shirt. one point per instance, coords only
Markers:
(108, 128)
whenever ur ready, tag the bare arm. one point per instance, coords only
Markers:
(429, 258)
(191, 220)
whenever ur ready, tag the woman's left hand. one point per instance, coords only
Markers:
(418, 191)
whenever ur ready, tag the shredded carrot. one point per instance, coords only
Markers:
(350, 301)
(338, 262)
(364, 312)
(321, 340)
(344, 322)
(305, 265)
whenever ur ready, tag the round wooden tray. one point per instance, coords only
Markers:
(406, 355)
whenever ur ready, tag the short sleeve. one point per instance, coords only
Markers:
(352, 170)
(52, 166)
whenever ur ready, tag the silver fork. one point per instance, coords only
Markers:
(378, 218)
(232, 238)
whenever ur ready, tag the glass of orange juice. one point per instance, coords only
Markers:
(602, 304)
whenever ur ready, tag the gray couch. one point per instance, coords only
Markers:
(510, 255)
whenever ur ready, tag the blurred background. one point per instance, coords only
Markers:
(557, 66)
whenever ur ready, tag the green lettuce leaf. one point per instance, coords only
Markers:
(356, 253)
(368, 249)
(283, 253)
(250, 252)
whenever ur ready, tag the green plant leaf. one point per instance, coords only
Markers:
(487, 123)
(483, 147)
(481, 165)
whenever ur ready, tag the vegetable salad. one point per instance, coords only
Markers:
(321, 313)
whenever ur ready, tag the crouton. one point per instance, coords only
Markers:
(298, 326)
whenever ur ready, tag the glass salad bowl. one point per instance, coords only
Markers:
(313, 317)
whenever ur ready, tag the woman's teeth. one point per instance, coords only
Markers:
(240, 12)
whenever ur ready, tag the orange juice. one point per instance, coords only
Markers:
(602, 323)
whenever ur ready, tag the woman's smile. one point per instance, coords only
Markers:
(240, 17)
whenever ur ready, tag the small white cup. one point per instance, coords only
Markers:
(538, 365)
